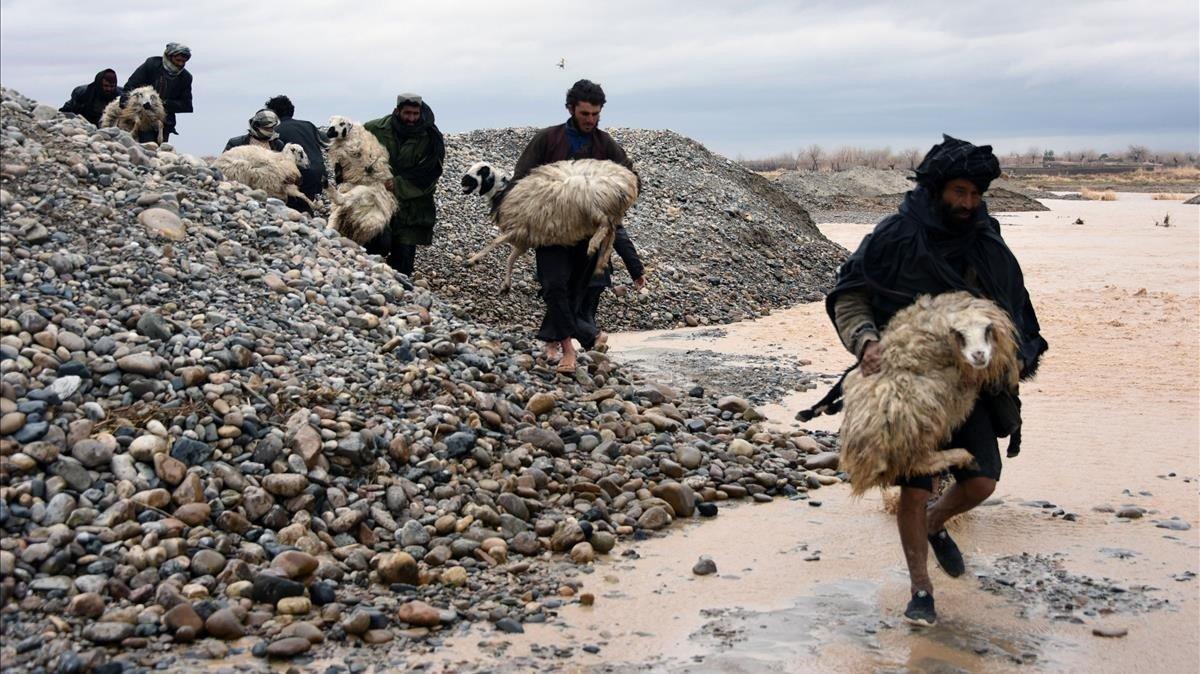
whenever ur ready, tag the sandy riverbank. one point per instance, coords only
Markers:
(1111, 421)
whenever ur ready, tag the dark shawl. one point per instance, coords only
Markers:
(89, 100)
(914, 252)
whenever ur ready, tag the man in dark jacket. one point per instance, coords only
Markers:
(941, 240)
(416, 152)
(263, 132)
(168, 76)
(304, 134)
(565, 272)
(88, 100)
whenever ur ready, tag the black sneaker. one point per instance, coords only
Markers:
(947, 553)
(920, 609)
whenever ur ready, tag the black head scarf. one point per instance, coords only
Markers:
(953, 158)
(92, 103)
(429, 167)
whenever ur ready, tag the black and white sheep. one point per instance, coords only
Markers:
(558, 204)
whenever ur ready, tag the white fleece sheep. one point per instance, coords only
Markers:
(936, 355)
(276, 173)
(354, 155)
(557, 204)
(360, 212)
(143, 110)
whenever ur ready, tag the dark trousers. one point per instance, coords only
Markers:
(400, 256)
(564, 273)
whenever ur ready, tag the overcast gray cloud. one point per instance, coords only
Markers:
(750, 78)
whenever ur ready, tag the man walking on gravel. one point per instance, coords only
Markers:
(565, 272)
(416, 151)
(941, 240)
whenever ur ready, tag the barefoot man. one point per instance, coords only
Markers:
(566, 271)
(941, 240)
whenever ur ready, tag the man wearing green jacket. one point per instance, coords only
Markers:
(416, 151)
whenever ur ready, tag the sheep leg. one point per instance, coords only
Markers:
(293, 191)
(159, 128)
(474, 259)
(935, 462)
(508, 268)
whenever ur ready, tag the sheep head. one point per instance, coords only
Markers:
(297, 154)
(484, 179)
(145, 98)
(339, 127)
(985, 338)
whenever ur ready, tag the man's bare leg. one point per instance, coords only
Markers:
(914, 536)
(959, 498)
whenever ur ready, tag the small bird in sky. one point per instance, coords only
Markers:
(562, 64)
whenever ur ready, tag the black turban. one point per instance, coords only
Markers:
(953, 158)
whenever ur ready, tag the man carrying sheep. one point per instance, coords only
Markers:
(168, 76)
(941, 240)
(416, 152)
(565, 272)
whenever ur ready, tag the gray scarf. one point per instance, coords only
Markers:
(174, 49)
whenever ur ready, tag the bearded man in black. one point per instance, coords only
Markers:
(941, 240)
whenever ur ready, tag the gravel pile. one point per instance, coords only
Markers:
(866, 195)
(720, 243)
(219, 420)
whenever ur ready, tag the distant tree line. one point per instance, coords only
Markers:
(817, 158)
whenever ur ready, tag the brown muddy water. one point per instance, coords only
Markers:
(818, 585)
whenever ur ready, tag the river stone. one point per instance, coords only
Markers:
(295, 564)
(398, 567)
(145, 364)
(182, 615)
(107, 632)
(224, 624)
(680, 497)
(655, 517)
(164, 223)
(704, 566)
(288, 647)
(420, 614)
(822, 460)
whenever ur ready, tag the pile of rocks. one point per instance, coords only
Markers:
(219, 418)
(866, 195)
(720, 243)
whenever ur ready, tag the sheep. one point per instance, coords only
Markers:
(143, 110)
(937, 354)
(558, 204)
(361, 212)
(276, 173)
(355, 154)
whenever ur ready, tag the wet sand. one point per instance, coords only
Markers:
(1111, 420)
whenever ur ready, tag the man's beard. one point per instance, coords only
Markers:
(956, 218)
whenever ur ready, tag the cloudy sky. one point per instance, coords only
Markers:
(751, 77)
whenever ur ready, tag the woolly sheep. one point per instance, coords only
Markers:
(558, 204)
(143, 110)
(355, 155)
(276, 173)
(936, 356)
(361, 212)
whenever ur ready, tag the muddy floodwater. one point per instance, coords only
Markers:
(1111, 424)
